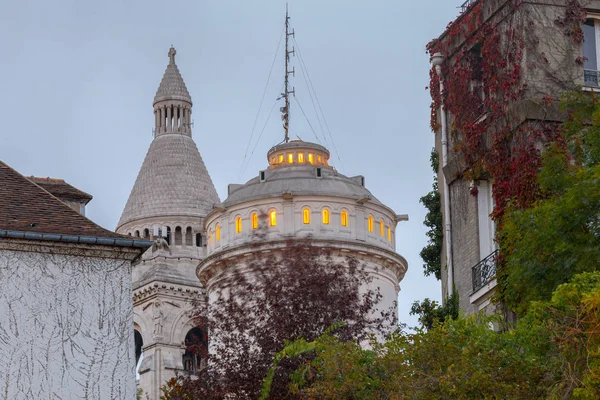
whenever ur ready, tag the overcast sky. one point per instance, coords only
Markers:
(77, 80)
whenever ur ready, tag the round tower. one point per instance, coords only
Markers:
(299, 195)
(171, 196)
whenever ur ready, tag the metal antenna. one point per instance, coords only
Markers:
(285, 110)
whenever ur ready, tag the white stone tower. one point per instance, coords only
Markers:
(172, 195)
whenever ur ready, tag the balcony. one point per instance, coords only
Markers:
(484, 272)
(591, 78)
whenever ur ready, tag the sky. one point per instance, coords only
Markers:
(77, 81)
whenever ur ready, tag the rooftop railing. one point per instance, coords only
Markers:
(484, 271)
(466, 4)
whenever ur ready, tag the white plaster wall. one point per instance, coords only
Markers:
(66, 326)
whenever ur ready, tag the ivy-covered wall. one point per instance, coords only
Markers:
(506, 63)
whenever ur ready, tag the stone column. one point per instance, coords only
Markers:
(169, 119)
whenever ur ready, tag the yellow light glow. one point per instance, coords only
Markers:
(370, 223)
(325, 216)
(311, 158)
(218, 233)
(389, 234)
(290, 158)
(210, 239)
(381, 228)
(306, 216)
(344, 218)
(280, 158)
(301, 158)
(238, 225)
(320, 159)
(273, 159)
(273, 218)
(255, 221)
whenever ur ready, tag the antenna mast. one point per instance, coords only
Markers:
(285, 110)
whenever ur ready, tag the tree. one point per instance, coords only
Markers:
(432, 253)
(297, 293)
(431, 313)
(559, 236)
(551, 353)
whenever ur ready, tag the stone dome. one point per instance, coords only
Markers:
(299, 168)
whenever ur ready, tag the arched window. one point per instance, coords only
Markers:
(306, 216)
(210, 239)
(389, 234)
(178, 235)
(370, 223)
(137, 234)
(168, 234)
(195, 350)
(290, 158)
(139, 344)
(238, 225)
(273, 218)
(381, 228)
(189, 236)
(218, 233)
(198, 240)
(344, 218)
(146, 233)
(311, 158)
(301, 158)
(254, 221)
(325, 213)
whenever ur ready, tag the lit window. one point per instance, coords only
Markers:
(301, 158)
(238, 225)
(306, 216)
(273, 218)
(389, 234)
(218, 233)
(280, 158)
(290, 158)
(370, 223)
(381, 228)
(325, 216)
(273, 159)
(210, 239)
(344, 218)
(255, 221)
(320, 159)
(311, 158)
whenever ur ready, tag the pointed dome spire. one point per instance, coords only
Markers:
(172, 86)
(173, 181)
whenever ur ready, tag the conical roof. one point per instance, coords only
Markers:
(173, 181)
(172, 86)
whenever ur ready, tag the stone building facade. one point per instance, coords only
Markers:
(510, 103)
(65, 290)
(196, 237)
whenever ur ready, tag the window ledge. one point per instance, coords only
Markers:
(483, 291)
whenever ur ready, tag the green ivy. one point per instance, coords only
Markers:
(432, 253)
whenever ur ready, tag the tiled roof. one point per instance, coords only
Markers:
(61, 189)
(25, 206)
(172, 86)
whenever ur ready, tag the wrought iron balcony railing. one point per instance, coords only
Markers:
(591, 78)
(484, 271)
(466, 4)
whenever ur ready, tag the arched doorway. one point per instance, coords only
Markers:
(196, 349)
(139, 344)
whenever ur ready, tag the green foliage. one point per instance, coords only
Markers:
(559, 236)
(431, 254)
(553, 352)
(431, 313)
